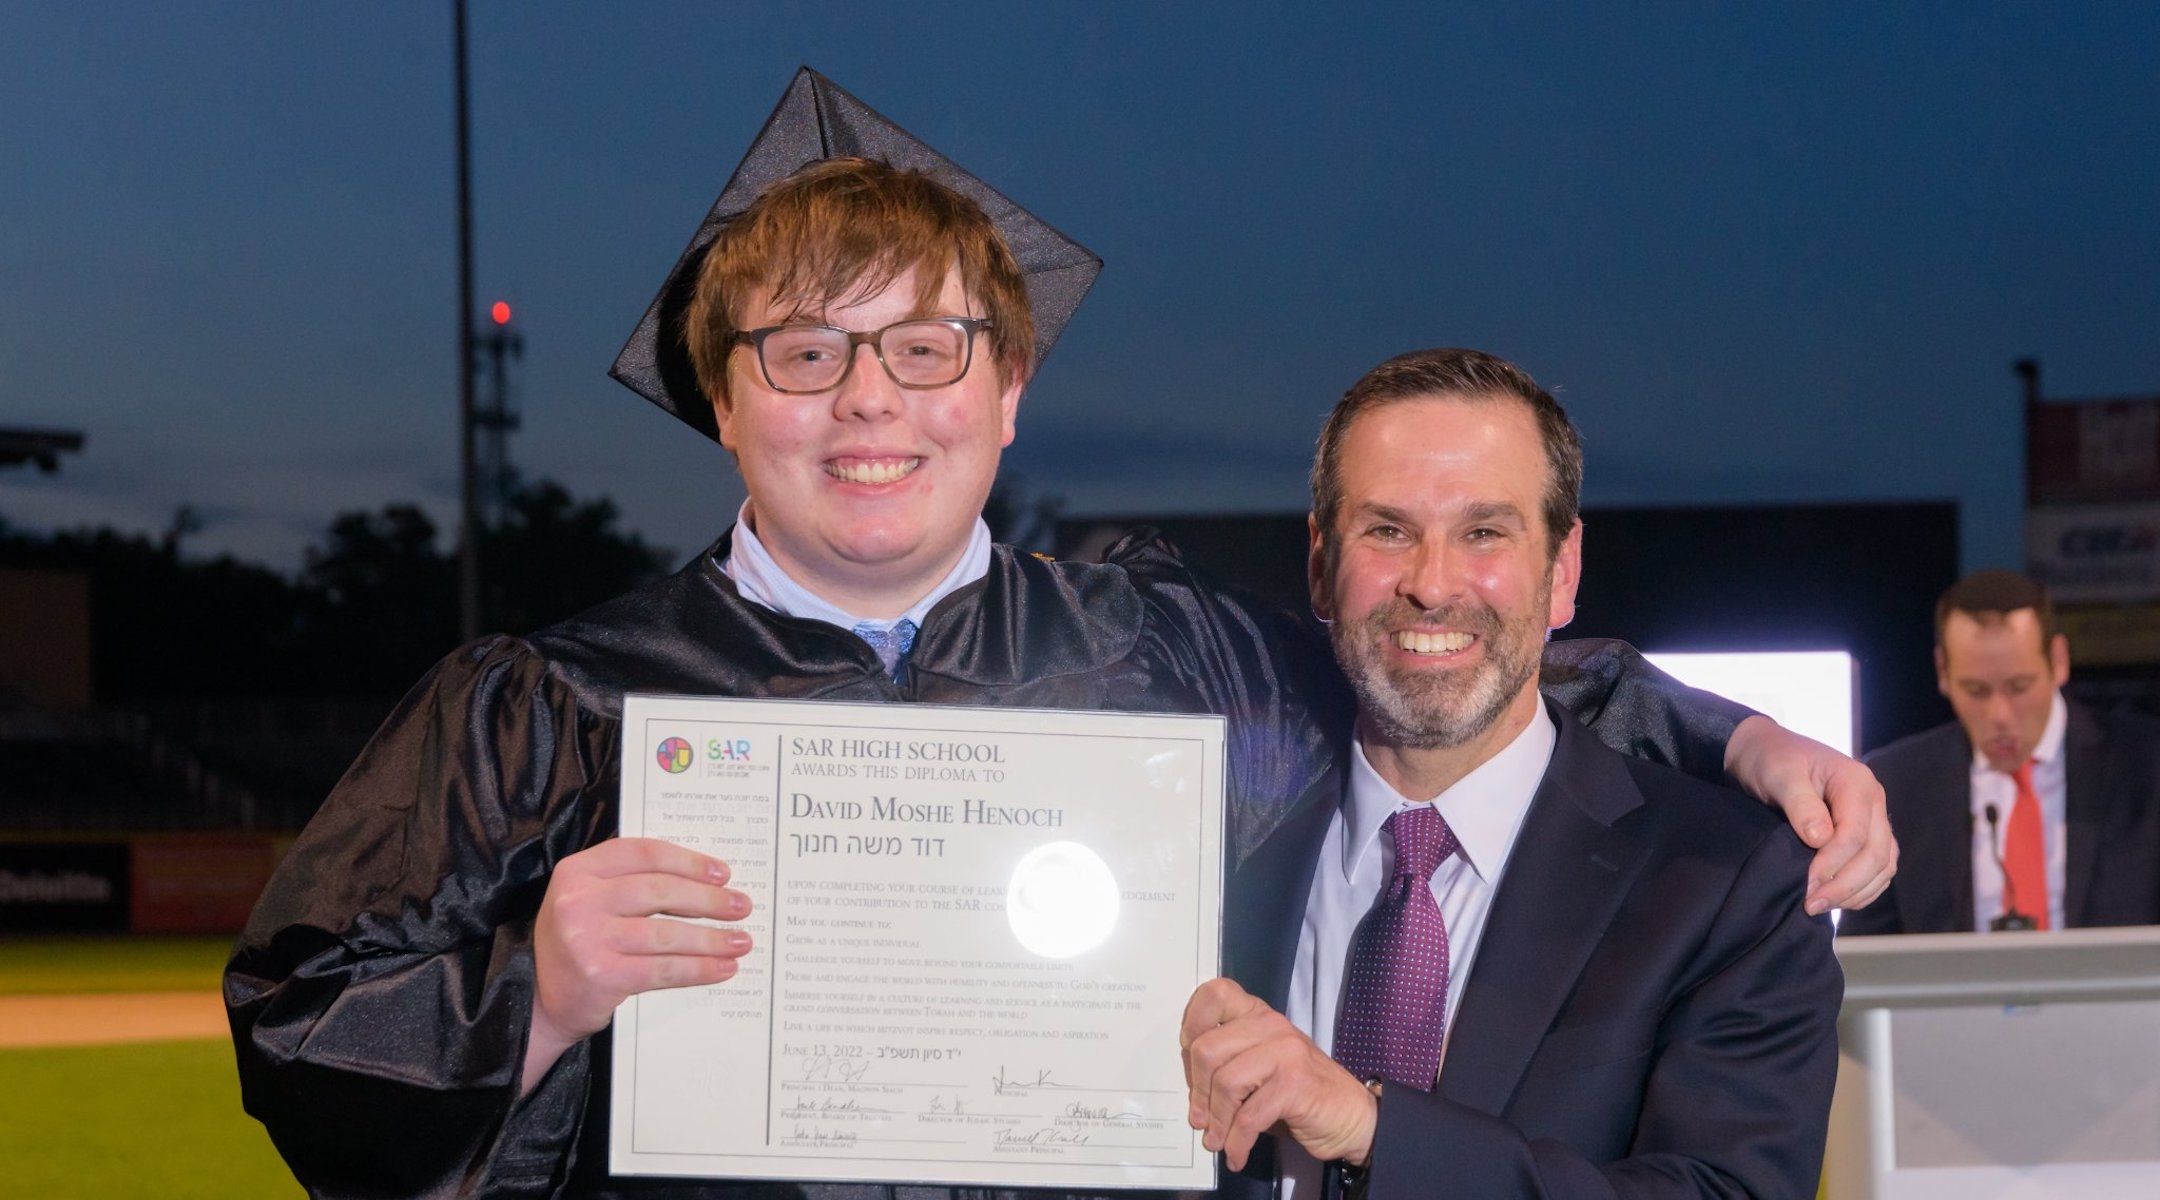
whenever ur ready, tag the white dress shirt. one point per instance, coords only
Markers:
(1999, 788)
(762, 581)
(1485, 809)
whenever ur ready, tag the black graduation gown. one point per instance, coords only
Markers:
(382, 991)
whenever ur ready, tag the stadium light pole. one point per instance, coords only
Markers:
(468, 481)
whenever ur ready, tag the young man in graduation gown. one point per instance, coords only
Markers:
(420, 1000)
(1503, 961)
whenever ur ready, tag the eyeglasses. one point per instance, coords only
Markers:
(814, 358)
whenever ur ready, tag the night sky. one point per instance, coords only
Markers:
(1763, 253)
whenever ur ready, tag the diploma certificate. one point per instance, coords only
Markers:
(975, 933)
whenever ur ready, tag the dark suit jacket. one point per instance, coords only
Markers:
(2112, 865)
(1650, 1012)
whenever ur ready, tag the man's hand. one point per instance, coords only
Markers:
(1249, 1070)
(1833, 802)
(596, 943)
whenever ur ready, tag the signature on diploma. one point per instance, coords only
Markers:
(1041, 1137)
(805, 1106)
(1099, 1112)
(1000, 1085)
(824, 1066)
(822, 1137)
(957, 1108)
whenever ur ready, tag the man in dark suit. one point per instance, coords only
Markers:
(2030, 810)
(1492, 958)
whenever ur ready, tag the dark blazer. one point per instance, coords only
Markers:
(1650, 1010)
(2112, 866)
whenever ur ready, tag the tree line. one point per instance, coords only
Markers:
(372, 607)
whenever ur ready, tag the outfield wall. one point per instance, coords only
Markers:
(139, 883)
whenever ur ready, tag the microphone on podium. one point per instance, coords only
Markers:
(2011, 919)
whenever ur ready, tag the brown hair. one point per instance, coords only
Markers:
(849, 227)
(1990, 596)
(1453, 374)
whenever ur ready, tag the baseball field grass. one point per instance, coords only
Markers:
(69, 966)
(82, 1115)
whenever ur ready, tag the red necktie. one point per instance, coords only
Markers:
(1395, 1006)
(2025, 885)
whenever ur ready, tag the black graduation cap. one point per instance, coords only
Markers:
(816, 120)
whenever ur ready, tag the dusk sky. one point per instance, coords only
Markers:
(1763, 253)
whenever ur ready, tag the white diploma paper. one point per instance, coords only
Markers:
(976, 930)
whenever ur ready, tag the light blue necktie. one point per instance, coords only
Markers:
(892, 645)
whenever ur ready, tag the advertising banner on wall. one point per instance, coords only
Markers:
(2092, 521)
(197, 884)
(63, 887)
(2092, 451)
(2112, 635)
(2096, 553)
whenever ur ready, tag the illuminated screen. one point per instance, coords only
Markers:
(1810, 691)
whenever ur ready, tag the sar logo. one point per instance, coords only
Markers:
(676, 756)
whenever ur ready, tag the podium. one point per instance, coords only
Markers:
(2001, 1066)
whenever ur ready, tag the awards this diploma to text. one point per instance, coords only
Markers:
(976, 930)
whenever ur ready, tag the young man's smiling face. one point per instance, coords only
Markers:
(866, 493)
(1439, 577)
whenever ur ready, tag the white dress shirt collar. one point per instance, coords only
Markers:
(762, 581)
(1485, 808)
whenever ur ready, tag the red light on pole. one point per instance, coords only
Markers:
(501, 312)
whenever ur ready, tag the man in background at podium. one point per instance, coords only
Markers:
(2030, 811)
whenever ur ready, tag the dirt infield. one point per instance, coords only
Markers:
(110, 1017)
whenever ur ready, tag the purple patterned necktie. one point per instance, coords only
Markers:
(1395, 1007)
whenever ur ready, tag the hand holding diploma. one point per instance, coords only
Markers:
(975, 931)
(1250, 1070)
(595, 946)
